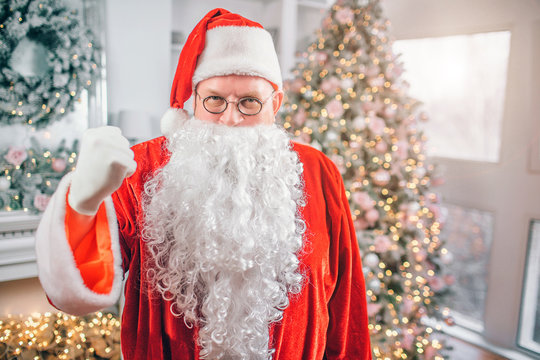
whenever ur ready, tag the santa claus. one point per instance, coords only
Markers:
(235, 243)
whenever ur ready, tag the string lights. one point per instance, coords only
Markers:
(60, 336)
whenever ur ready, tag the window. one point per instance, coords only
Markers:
(468, 234)
(461, 80)
(529, 336)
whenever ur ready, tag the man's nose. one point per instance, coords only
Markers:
(231, 116)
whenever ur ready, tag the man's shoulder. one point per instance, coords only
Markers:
(313, 158)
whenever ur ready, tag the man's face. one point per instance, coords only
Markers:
(235, 88)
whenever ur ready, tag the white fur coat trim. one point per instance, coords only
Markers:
(241, 50)
(58, 272)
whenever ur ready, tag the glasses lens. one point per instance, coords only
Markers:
(249, 106)
(214, 104)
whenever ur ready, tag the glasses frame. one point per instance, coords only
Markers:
(237, 102)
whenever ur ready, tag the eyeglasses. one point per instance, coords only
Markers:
(248, 105)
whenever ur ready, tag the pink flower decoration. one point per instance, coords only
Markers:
(344, 15)
(381, 147)
(41, 201)
(372, 216)
(376, 124)
(335, 108)
(382, 243)
(59, 165)
(363, 199)
(329, 85)
(372, 309)
(300, 117)
(16, 155)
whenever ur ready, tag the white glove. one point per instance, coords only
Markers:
(105, 159)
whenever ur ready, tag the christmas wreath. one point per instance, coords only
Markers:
(46, 59)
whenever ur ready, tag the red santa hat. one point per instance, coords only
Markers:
(222, 43)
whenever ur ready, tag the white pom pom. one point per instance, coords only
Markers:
(172, 119)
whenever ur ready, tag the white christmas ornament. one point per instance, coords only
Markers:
(371, 260)
(4, 183)
(447, 258)
(375, 285)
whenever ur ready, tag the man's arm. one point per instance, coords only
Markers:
(77, 242)
(78, 256)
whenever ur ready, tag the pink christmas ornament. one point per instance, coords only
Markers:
(371, 216)
(335, 108)
(41, 201)
(59, 164)
(16, 155)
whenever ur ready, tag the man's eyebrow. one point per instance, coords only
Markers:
(249, 93)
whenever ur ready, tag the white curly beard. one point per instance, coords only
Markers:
(222, 224)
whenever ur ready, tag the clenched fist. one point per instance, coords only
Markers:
(105, 159)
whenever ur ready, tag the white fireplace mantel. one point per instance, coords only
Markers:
(17, 253)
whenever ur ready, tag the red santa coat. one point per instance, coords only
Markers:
(327, 320)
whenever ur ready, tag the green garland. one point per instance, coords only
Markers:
(68, 61)
(28, 177)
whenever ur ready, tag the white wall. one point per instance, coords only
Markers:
(138, 57)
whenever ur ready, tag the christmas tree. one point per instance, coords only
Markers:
(347, 99)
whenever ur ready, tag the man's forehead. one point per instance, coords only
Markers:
(235, 83)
